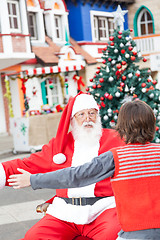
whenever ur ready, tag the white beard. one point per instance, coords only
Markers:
(87, 135)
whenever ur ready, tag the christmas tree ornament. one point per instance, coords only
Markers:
(101, 80)
(151, 95)
(143, 85)
(122, 84)
(112, 44)
(117, 94)
(148, 80)
(111, 38)
(109, 59)
(126, 88)
(98, 71)
(133, 58)
(121, 45)
(94, 86)
(144, 60)
(154, 82)
(132, 89)
(123, 51)
(87, 89)
(119, 66)
(104, 61)
(144, 90)
(127, 55)
(130, 75)
(124, 63)
(103, 104)
(91, 80)
(106, 95)
(120, 32)
(105, 117)
(99, 86)
(115, 50)
(123, 78)
(102, 98)
(110, 97)
(119, 17)
(119, 36)
(130, 48)
(113, 62)
(110, 79)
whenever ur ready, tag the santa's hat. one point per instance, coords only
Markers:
(75, 104)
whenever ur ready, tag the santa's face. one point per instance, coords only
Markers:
(86, 126)
(86, 117)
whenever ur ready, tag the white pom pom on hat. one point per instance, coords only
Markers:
(75, 104)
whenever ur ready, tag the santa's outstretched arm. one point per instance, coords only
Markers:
(39, 162)
(100, 168)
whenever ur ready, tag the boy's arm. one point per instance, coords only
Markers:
(100, 168)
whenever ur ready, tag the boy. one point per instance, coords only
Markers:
(134, 170)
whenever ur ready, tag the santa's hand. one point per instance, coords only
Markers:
(20, 180)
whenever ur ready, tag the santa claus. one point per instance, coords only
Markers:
(86, 211)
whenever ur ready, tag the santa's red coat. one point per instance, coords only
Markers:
(42, 161)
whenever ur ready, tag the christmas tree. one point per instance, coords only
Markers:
(120, 79)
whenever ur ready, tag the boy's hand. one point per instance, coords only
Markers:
(20, 180)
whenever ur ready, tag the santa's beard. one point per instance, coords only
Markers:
(87, 135)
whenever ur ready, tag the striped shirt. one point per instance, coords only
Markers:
(136, 184)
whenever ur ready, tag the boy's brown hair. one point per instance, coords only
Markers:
(136, 122)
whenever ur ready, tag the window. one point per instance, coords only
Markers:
(52, 87)
(145, 23)
(58, 27)
(103, 27)
(32, 25)
(14, 17)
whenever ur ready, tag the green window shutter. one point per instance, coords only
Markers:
(43, 89)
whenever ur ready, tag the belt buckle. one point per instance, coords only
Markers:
(74, 200)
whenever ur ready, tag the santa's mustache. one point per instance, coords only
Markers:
(88, 124)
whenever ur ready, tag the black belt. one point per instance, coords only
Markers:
(82, 201)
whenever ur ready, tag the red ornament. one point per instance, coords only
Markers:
(157, 128)
(148, 80)
(120, 32)
(137, 74)
(97, 71)
(154, 82)
(106, 95)
(133, 58)
(134, 53)
(130, 48)
(94, 76)
(144, 60)
(122, 51)
(91, 80)
(119, 36)
(119, 66)
(98, 67)
(143, 85)
(104, 61)
(103, 104)
(101, 80)
(102, 98)
(99, 106)
(87, 89)
(151, 88)
(112, 43)
(105, 48)
(123, 78)
(109, 59)
(123, 62)
(131, 30)
(99, 86)
(110, 97)
(117, 73)
(94, 86)
(111, 38)
(122, 84)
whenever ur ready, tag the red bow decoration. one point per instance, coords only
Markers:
(79, 81)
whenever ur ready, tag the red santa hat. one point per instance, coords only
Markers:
(75, 104)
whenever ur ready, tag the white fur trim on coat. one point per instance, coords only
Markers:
(59, 158)
(2, 177)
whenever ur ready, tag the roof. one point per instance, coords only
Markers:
(49, 54)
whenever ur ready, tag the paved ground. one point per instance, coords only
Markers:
(17, 207)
